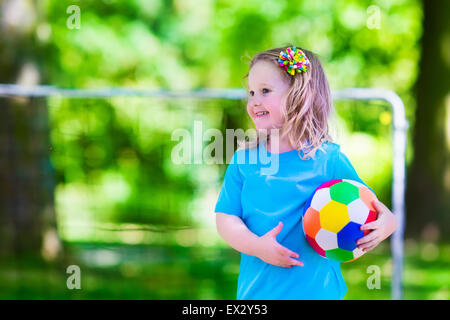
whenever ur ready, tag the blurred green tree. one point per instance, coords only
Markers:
(428, 191)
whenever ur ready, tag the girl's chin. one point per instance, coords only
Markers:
(265, 126)
(262, 127)
(262, 124)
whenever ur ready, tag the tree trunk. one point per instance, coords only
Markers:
(428, 190)
(26, 179)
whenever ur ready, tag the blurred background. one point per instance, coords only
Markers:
(90, 181)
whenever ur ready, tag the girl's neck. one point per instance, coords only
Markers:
(283, 146)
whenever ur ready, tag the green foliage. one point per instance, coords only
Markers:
(117, 156)
(189, 44)
(115, 271)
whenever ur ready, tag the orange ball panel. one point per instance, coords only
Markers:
(311, 222)
(367, 197)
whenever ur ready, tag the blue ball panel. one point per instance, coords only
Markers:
(348, 236)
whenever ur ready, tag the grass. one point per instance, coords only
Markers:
(110, 271)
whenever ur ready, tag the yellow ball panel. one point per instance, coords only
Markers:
(334, 216)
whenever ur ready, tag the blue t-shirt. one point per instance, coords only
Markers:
(263, 189)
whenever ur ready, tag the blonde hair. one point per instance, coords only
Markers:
(308, 105)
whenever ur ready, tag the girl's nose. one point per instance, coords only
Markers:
(255, 101)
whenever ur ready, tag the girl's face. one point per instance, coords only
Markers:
(267, 90)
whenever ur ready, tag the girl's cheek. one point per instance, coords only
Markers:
(248, 111)
(276, 117)
(277, 123)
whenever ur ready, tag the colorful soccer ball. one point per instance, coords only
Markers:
(333, 215)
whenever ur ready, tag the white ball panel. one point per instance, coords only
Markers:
(357, 253)
(320, 199)
(358, 211)
(327, 240)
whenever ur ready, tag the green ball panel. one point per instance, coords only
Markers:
(339, 255)
(344, 192)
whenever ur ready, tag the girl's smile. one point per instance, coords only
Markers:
(262, 114)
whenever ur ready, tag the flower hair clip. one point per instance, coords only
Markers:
(293, 59)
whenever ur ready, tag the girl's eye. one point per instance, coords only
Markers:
(265, 90)
(251, 93)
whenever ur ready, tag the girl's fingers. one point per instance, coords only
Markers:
(286, 252)
(369, 244)
(379, 206)
(297, 263)
(367, 238)
(275, 231)
(370, 248)
(282, 250)
(288, 262)
(292, 254)
(371, 225)
(292, 263)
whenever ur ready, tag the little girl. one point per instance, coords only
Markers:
(259, 214)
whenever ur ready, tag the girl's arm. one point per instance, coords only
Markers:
(234, 231)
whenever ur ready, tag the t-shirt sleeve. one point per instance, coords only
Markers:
(229, 200)
(345, 170)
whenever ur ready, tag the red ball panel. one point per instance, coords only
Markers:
(329, 183)
(372, 217)
(315, 246)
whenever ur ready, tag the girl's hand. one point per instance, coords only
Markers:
(382, 228)
(270, 251)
